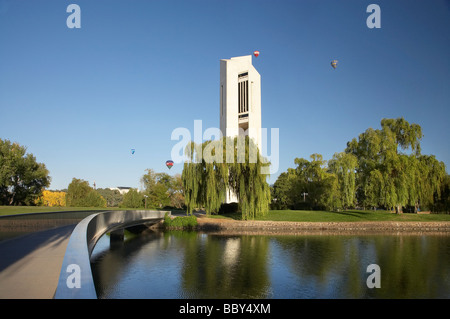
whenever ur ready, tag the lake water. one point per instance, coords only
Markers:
(176, 264)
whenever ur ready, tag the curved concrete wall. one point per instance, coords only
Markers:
(75, 280)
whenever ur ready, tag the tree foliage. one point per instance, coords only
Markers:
(22, 178)
(80, 194)
(112, 196)
(162, 189)
(311, 185)
(133, 199)
(380, 168)
(386, 175)
(228, 165)
(282, 193)
(343, 165)
(442, 200)
(51, 199)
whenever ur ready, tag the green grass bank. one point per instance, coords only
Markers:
(343, 216)
(272, 215)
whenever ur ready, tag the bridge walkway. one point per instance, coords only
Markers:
(30, 265)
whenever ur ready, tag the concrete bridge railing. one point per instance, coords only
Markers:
(75, 280)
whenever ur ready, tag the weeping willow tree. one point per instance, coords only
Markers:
(204, 178)
(247, 179)
(230, 164)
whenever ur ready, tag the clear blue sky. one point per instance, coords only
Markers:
(81, 99)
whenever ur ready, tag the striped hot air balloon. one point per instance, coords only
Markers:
(256, 53)
(334, 63)
(169, 164)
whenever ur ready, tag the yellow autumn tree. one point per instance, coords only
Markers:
(52, 199)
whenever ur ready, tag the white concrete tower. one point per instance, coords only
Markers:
(240, 101)
(240, 98)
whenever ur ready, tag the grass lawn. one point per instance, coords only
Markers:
(13, 210)
(344, 216)
(275, 215)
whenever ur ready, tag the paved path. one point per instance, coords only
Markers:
(30, 265)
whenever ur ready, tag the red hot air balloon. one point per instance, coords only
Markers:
(169, 164)
(256, 53)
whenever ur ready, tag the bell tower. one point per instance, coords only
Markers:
(240, 101)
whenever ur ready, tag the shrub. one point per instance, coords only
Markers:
(186, 222)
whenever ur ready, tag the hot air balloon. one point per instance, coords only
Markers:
(334, 63)
(169, 164)
(256, 53)
(132, 151)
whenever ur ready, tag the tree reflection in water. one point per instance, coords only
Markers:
(180, 264)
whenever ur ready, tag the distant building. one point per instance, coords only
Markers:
(122, 190)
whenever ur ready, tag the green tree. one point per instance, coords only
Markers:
(313, 185)
(442, 200)
(430, 182)
(282, 190)
(22, 178)
(405, 135)
(389, 177)
(329, 195)
(133, 199)
(80, 194)
(247, 179)
(149, 179)
(313, 179)
(343, 165)
(204, 181)
(374, 189)
(159, 196)
(367, 149)
(176, 192)
(232, 164)
(113, 197)
(162, 189)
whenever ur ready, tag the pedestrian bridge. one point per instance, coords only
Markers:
(75, 279)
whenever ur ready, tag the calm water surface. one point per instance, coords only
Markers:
(179, 264)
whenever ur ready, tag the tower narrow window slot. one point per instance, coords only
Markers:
(243, 93)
